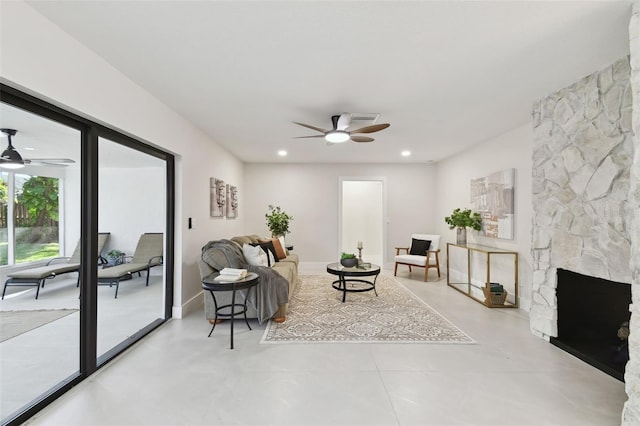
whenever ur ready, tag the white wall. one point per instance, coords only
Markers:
(510, 150)
(310, 192)
(127, 210)
(38, 57)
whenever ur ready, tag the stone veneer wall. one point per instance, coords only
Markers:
(582, 155)
(585, 196)
(631, 411)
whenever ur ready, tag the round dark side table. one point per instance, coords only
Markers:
(247, 283)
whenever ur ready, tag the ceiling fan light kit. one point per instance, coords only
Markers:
(337, 136)
(340, 134)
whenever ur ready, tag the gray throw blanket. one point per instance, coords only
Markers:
(272, 289)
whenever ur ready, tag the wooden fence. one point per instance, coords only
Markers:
(21, 217)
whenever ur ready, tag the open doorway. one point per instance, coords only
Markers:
(362, 213)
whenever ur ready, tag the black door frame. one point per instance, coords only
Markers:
(90, 131)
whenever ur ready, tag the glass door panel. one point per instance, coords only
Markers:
(132, 209)
(39, 211)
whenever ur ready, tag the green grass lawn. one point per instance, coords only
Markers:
(30, 252)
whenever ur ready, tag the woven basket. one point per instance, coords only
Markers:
(494, 298)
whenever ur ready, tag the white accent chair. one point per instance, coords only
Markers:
(431, 259)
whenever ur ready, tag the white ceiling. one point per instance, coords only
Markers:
(446, 75)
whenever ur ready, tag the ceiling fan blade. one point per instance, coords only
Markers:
(304, 137)
(45, 163)
(54, 160)
(361, 138)
(371, 129)
(308, 126)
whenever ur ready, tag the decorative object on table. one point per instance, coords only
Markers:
(359, 252)
(231, 275)
(348, 260)
(317, 315)
(461, 220)
(217, 197)
(114, 256)
(278, 221)
(232, 202)
(493, 197)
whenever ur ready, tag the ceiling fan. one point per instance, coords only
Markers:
(11, 159)
(340, 134)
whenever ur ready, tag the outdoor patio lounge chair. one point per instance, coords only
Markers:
(149, 253)
(35, 277)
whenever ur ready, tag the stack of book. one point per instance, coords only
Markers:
(496, 287)
(230, 275)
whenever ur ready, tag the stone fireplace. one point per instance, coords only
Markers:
(583, 204)
(583, 152)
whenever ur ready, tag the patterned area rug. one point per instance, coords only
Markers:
(15, 323)
(317, 315)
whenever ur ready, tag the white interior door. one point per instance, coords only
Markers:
(362, 213)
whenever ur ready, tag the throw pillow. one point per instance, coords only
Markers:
(254, 255)
(284, 247)
(419, 247)
(279, 249)
(268, 248)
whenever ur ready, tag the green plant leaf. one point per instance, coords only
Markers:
(278, 221)
(464, 219)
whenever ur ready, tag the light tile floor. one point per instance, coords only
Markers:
(178, 376)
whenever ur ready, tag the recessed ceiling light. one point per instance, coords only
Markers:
(28, 148)
(282, 153)
(405, 153)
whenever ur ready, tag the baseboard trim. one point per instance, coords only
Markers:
(191, 305)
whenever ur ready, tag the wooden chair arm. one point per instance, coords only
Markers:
(406, 249)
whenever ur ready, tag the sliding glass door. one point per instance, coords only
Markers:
(39, 229)
(79, 191)
(131, 210)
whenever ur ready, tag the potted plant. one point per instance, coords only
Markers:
(114, 256)
(278, 221)
(348, 260)
(461, 220)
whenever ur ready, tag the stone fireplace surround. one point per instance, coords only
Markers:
(586, 194)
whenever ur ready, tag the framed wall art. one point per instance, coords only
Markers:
(217, 197)
(493, 197)
(232, 202)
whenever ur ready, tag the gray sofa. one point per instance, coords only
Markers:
(287, 267)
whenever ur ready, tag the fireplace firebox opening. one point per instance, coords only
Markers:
(593, 320)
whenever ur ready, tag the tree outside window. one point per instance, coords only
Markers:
(35, 218)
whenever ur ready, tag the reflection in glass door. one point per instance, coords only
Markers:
(39, 232)
(132, 191)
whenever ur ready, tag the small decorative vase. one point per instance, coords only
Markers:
(349, 263)
(461, 236)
